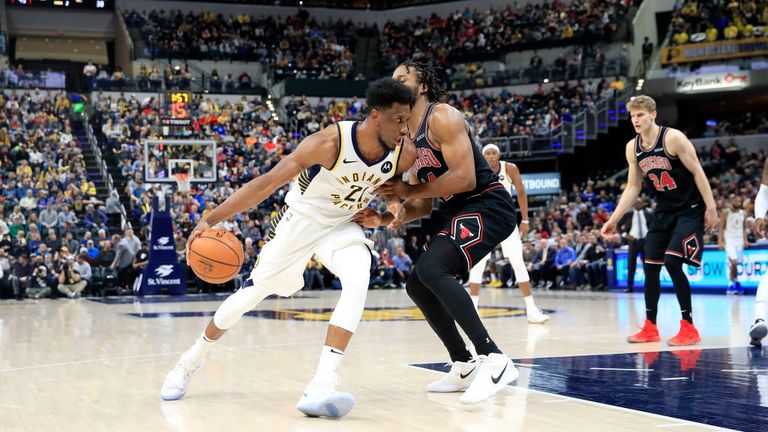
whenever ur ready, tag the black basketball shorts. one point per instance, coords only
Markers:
(680, 234)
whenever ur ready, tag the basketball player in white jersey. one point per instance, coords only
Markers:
(759, 329)
(512, 247)
(733, 238)
(335, 172)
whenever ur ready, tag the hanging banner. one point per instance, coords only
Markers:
(705, 51)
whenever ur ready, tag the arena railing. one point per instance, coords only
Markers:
(124, 221)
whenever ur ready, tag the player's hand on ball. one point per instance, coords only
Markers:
(367, 217)
(608, 228)
(201, 227)
(398, 211)
(394, 187)
(710, 219)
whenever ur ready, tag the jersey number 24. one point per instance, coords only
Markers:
(666, 182)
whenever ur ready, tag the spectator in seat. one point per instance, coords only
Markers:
(21, 277)
(94, 218)
(542, 266)
(402, 263)
(565, 257)
(49, 218)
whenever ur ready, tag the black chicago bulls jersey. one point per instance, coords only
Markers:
(430, 164)
(672, 183)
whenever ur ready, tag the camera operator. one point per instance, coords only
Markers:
(69, 280)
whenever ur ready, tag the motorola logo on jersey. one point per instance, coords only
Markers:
(387, 167)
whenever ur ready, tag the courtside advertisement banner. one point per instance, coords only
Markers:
(713, 272)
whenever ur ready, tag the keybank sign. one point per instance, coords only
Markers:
(547, 183)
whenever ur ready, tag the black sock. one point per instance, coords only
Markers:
(652, 291)
(674, 267)
(483, 344)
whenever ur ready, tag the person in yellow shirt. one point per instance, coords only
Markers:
(680, 37)
(567, 32)
(617, 85)
(731, 32)
(711, 34)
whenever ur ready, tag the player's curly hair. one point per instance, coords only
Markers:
(429, 75)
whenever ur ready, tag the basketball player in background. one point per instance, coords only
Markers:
(685, 207)
(336, 171)
(512, 246)
(732, 237)
(479, 214)
(759, 329)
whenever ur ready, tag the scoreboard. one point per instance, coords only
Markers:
(176, 118)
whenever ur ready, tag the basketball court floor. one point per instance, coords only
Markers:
(98, 365)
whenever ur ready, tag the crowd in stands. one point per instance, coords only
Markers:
(710, 20)
(487, 33)
(511, 114)
(571, 64)
(740, 123)
(297, 42)
(49, 213)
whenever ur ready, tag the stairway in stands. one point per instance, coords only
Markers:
(93, 169)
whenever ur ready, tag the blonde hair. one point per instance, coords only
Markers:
(641, 102)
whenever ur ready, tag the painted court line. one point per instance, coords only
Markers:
(622, 369)
(744, 370)
(675, 379)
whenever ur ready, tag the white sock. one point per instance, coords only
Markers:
(529, 303)
(475, 300)
(329, 361)
(201, 347)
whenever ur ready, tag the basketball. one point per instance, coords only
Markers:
(216, 256)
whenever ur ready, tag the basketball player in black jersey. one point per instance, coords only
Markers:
(479, 214)
(685, 207)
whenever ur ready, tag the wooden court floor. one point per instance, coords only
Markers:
(85, 365)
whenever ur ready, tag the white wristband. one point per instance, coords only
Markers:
(761, 202)
(524, 221)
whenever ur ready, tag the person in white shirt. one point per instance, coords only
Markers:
(733, 239)
(759, 329)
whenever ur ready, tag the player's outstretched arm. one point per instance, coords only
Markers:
(628, 197)
(319, 148)
(522, 198)
(679, 146)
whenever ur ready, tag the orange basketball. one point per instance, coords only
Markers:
(215, 256)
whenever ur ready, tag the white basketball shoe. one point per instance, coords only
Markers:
(321, 399)
(536, 316)
(458, 379)
(494, 372)
(757, 332)
(177, 380)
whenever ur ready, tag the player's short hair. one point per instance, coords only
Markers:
(429, 75)
(641, 102)
(385, 92)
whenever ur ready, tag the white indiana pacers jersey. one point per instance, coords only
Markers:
(333, 196)
(734, 226)
(504, 178)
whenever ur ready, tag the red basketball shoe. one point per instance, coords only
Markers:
(688, 335)
(649, 333)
